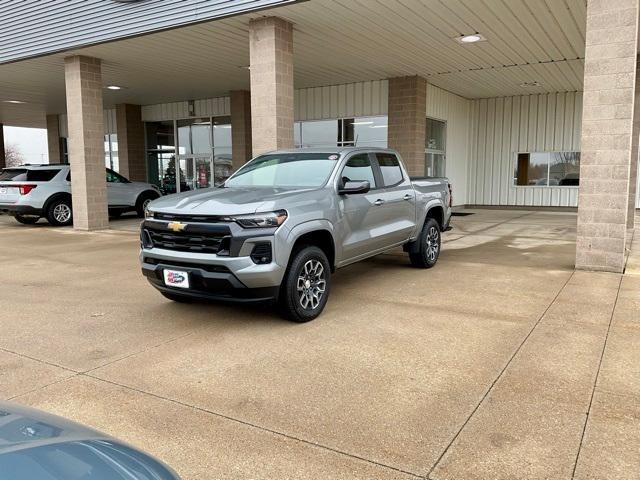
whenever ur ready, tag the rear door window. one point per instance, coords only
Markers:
(13, 175)
(390, 168)
(41, 175)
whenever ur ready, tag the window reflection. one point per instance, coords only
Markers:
(544, 169)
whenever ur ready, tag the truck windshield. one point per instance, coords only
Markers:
(285, 170)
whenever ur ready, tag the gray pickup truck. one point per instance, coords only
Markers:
(279, 227)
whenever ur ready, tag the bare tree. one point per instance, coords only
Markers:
(13, 156)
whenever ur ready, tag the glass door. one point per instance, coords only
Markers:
(195, 154)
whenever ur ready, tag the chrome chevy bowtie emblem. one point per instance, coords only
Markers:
(177, 226)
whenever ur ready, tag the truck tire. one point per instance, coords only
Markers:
(305, 288)
(26, 219)
(143, 200)
(428, 245)
(59, 213)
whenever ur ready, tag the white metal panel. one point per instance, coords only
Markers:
(506, 126)
(347, 100)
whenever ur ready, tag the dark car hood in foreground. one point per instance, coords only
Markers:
(38, 446)
(227, 201)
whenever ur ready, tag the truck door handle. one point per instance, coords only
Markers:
(407, 197)
(378, 202)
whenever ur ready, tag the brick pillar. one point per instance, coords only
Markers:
(53, 138)
(407, 120)
(3, 161)
(83, 82)
(635, 140)
(607, 125)
(130, 132)
(271, 72)
(240, 127)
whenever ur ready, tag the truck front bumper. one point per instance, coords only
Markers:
(232, 274)
(207, 282)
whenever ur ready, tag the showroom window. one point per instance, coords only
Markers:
(547, 169)
(342, 132)
(111, 151)
(435, 148)
(189, 154)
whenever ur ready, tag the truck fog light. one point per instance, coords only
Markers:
(261, 253)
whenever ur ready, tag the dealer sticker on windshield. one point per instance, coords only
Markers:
(176, 278)
(333, 157)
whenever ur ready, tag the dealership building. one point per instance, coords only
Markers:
(526, 103)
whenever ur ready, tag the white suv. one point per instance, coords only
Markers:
(29, 192)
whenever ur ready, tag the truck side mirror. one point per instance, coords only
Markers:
(352, 187)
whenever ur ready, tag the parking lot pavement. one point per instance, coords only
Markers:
(501, 362)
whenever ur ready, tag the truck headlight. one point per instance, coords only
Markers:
(261, 220)
(148, 214)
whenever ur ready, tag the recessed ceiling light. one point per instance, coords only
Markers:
(14, 101)
(114, 87)
(535, 83)
(473, 38)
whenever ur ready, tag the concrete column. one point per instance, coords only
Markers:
(271, 72)
(408, 120)
(240, 127)
(130, 132)
(607, 125)
(3, 161)
(53, 138)
(635, 140)
(83, 82)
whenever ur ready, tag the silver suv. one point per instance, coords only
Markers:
(29, 192)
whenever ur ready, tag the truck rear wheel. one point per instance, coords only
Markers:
(428, 245)
(305, 288)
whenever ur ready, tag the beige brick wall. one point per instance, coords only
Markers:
(607, 123)
(53, 138)
(240, 127)
(407, 120)
(271, 72)
(635, 140)
(130, 132)
(83, 82)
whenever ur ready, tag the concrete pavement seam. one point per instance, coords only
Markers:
(38, 360)
(495, 381)
(595, 382)
(253, 425)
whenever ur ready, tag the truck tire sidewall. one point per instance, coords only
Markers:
(420, 258)
(51, 209)
(289, 297)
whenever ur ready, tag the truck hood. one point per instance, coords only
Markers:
(228, 201)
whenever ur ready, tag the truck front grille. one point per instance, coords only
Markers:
(212, 242)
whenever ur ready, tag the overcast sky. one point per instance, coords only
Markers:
(32, 143)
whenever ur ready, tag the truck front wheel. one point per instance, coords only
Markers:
(427, 249)
(305, 288)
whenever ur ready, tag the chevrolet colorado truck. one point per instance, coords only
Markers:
(280, 226)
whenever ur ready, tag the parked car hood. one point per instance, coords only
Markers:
(35, 444)
(228, 201)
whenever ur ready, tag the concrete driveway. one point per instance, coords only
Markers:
(501, 362)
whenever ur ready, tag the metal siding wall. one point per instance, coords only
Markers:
(348, 100)
(501, 127)
(208, 107)
(37, 27)
(456, 111)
